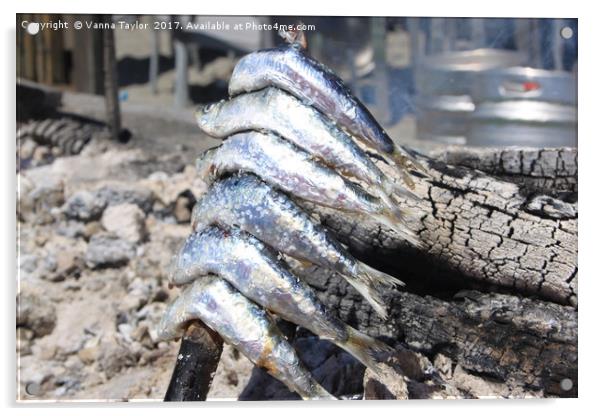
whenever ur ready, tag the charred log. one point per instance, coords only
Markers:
(480, 232)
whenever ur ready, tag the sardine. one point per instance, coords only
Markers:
(248, 203)
(245, 326)
(284, 166)
(291, 69)
(255, 270)
(274, 110)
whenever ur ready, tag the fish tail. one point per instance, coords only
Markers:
(363, 284)
(317, 392)
(377, 277)
(365, 348)
(407, 160)
(404, 163)
(391, 220)
(390, 204)
(392, 188)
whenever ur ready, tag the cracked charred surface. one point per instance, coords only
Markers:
(528, 345)
(547, 171)
(481, 232)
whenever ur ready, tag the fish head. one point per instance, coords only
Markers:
(206, 115)
(205, 164)
(182, 267)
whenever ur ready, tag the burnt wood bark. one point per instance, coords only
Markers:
(480, 230)
(528, 344)
(495, 287)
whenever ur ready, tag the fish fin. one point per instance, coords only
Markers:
(391, 220)
(305, 264)
(294, 36)
(365, 348)
(407, 179)
(378, 277)
(408, 161)
(405, 163)
(318, 393)
(363, 284)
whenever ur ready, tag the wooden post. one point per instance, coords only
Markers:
(197, 361)
(111, 83)
(381, 78)
(88, 57)
(181, 87)
(153, 71)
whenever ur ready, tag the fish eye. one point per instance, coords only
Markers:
(207, 108)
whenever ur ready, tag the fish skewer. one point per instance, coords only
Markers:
(251, 205)
(255, 270)
(277, 111)
(245, 326)
(291, 69)
(292, 170)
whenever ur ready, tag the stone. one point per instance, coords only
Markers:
(84, 206)
(89, 355)
(28, 263)
(41, 154)
(92, 228)
(182, 211)
(35, 312)
(139, 293)
(36, 200)
(27, 148)
(66, 264)
(71, 229)
(389, 384)
(24, 337)
(126, 221)
(114, 358)
(118, 193)
(108, 250)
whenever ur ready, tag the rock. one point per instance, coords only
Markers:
(71, 229)
(126, 221)
(168, 189)
(118, 193)
(92, 228)
(28, 263)
(182, 209)
(89, 355)
(35, 311)
(24, 337)
(89, 205)
(114, 357)
(139, 293)
(27, 148)
(84, 206)
(108, 250)
(41, 154)
(444, 365)
(67, 264)
(36, 200)
(151, 315)
(387, 385)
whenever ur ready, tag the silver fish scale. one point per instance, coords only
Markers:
(288, 168)
(275, 110)
(245, 326)
(294, 71)
(256, 272)
(251, 205)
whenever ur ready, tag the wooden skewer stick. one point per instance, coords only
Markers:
(199, 355)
